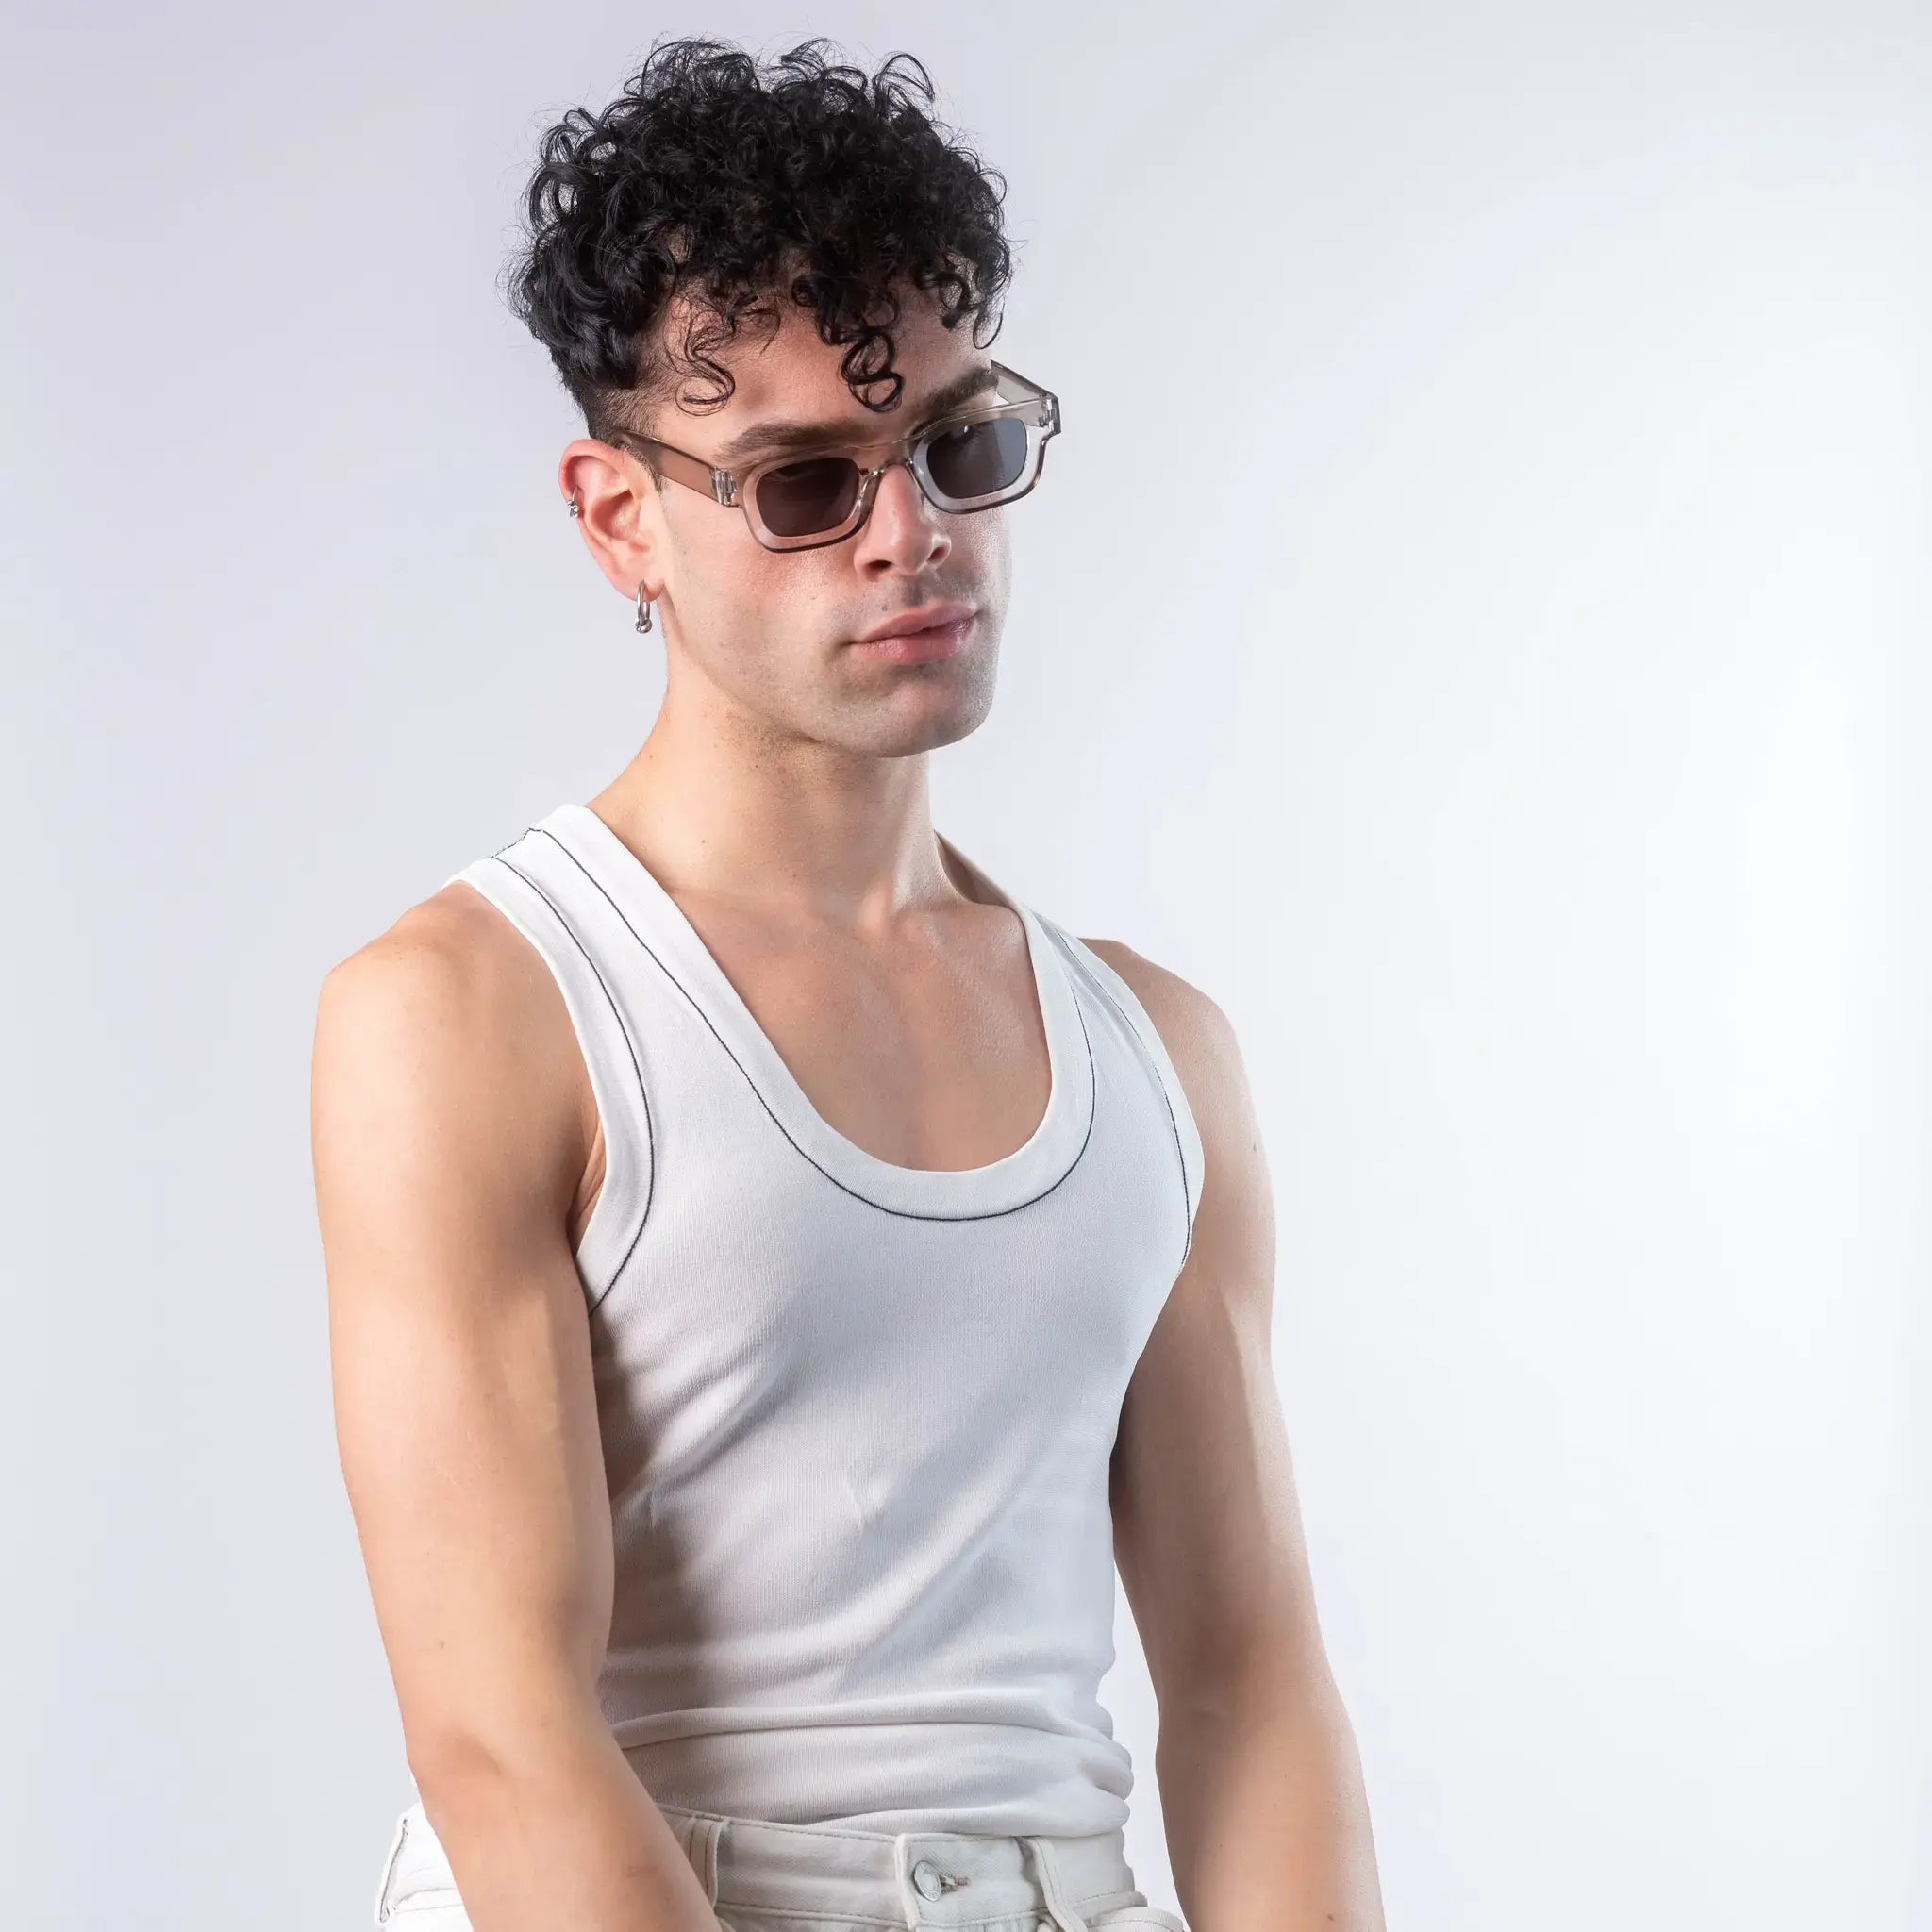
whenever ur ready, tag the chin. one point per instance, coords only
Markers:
(904, 726)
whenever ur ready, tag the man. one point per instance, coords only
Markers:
(775, 1275)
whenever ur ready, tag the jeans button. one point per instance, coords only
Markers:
(926, 1875)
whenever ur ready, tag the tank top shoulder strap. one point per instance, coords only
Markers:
(539, 892)
(1106, 984)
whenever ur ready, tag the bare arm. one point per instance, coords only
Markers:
(448, 1142)
(1260, 1781)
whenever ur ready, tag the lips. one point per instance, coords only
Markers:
(925, 646)
(927, 617)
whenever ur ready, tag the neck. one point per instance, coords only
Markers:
(788, 826)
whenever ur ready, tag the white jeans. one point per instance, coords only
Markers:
(762, 1876)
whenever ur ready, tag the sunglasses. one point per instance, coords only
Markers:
(985, 454)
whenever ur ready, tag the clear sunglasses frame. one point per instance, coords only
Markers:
(1036, 410)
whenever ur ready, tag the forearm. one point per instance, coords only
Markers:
(1266, 1814)
(559, 1833)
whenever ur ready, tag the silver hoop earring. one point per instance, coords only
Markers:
(643, 610)
(570, 505)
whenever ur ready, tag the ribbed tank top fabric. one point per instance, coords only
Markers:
(856, 1418)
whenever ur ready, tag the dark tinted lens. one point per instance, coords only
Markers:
(977, 458)
(815, 493)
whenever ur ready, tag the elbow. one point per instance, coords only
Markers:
(450, 1757)
(455, 1763)
(1236, 1683)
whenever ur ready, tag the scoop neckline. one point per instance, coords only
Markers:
(1037, 1165)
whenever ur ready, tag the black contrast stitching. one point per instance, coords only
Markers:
(1167, 1100)
(903, 1214)
(637, 1069)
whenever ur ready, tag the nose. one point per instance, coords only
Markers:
(903, 525)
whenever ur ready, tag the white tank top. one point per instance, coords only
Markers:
(856, 1418)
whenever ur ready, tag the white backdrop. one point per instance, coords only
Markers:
(1474, 625)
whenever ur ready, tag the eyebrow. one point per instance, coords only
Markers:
(778, 435)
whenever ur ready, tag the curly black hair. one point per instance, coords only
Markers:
(736, 187)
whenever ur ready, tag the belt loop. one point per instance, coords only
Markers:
(706, 1835)
(902, 1869)
(1060, 1909)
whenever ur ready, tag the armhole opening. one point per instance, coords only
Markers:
(1188, 1149)
(610, 1061)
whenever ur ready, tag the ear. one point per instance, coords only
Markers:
(619, 512)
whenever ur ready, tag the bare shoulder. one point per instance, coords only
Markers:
(1231, 1255)
(451, 945)
(415, 1011)
(445, 1038)
(1195, 1031)
(451, 970)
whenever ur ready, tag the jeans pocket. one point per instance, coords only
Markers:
(414, 1906)
(1137, 1919)
(417, 1886)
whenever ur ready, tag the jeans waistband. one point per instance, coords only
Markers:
(905, 1878)
(923, 1881)
(912, 1879)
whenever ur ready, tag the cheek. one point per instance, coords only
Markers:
(734, 590)
(974, 562)
(989, 550)
(988, 586)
